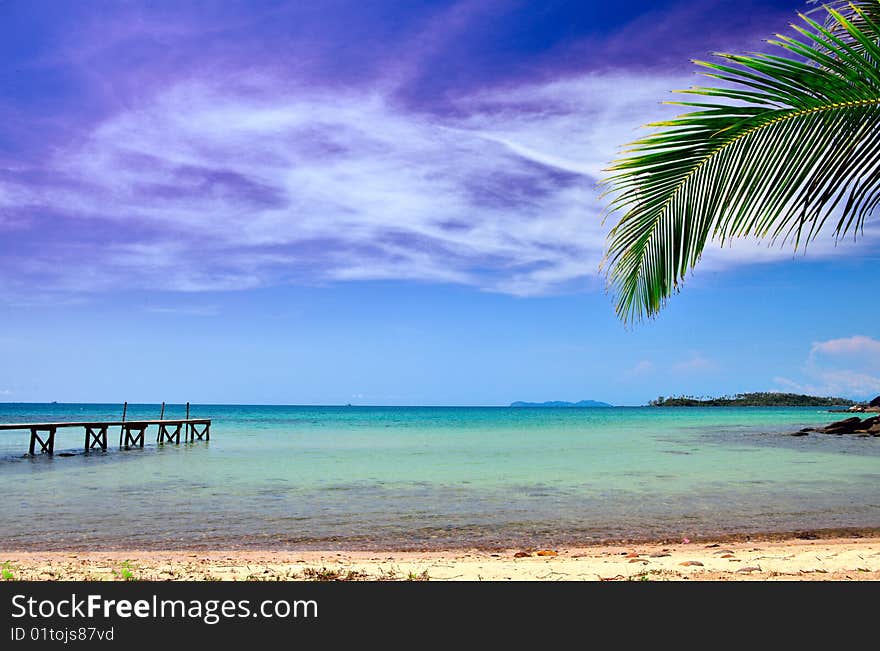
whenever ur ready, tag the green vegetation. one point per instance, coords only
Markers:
(8, 568)
(789, 141)
(391, 574)
(325, 574)
(761, 399)
(125, 572)
(423, 576)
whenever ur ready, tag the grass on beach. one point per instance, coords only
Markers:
(789, 559)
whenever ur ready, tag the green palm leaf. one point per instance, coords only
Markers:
(870, 9)
(791, 140)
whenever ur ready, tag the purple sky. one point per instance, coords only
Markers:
(213, 148)
(224, 145)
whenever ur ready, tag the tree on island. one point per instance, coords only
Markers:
(758, 399)
(790, 141)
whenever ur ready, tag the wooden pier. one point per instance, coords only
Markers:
(131, 432)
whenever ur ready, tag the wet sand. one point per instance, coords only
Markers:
(788, 559)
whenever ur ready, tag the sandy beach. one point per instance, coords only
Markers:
(787, 560)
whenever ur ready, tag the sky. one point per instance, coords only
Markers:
(392, 203)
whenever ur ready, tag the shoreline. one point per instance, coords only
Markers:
(355, 545)
(821, 555)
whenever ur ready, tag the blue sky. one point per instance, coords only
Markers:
(375, 203)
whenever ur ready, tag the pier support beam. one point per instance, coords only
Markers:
(172, 436)
(47, 446)
(96, 435)
(193, 433)
(133, 434)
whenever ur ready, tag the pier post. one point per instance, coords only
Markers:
(172, 436)
(98, 437)
(47, 446)
(204, 435)
(134, 439)
(124, 409)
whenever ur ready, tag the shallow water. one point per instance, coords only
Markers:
(407, 477)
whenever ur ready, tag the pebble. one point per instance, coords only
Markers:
(689, 563)
(750, 568)
(547, 552)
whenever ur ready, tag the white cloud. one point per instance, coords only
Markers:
(845, 384)
(184, 310)
(694, 364)
(840, 367)
(237, 186)
(644, 367)
(856, 345)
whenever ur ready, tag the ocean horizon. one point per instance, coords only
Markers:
(362, 477)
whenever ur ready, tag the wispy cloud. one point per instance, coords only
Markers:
(842, 367)
(844, 384)
(259, 183)
(184, 310)
(696, 363)
(858, 345)
(198, 180)
(644, 367)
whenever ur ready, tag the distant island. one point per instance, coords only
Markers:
(561, 403)
(761, 399)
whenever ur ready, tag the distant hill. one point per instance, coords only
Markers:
(764, 399)
(560, 403)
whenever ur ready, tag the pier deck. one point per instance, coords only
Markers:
(131, 432)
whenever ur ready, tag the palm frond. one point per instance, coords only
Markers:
(791, 139)
(848, 8)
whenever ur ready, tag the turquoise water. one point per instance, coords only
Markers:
(361, 477)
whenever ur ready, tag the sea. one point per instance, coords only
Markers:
(350, 477)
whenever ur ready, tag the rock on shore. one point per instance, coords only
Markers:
(854, 425)
(873, 406)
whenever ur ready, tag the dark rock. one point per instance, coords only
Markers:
(875, 402)
(845, 426)
(802, 432)
(806, 535)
